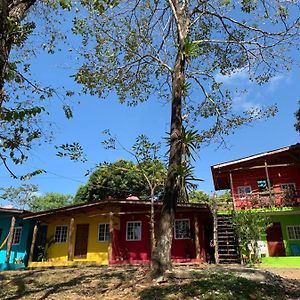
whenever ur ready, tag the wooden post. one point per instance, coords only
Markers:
(34, 235)
(269, 183)
(70, 240)
(111, 236)
(215, 225)
(197, 242)
(10, 239)
(232, 190)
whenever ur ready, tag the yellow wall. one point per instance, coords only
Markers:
(97, 252)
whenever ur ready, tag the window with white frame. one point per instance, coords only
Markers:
(103, 232)
(134, 231)
(293, 232)
(182, 229)
(289, 190)
(61, 234)
(244, 191)
(17, 235)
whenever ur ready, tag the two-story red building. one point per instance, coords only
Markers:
(268, 181)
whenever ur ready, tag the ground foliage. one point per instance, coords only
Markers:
(133, 283)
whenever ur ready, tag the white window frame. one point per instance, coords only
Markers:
(61, 242)
(130, 222)
(294, 232)
(14, 235)
(175, 234)
(106, 234)
(243, 195)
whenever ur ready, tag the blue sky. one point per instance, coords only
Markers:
(93, 115)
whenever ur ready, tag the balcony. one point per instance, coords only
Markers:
(268, 199)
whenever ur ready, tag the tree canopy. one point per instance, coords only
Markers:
(26, 196)
(120, 180)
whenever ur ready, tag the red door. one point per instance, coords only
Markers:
(81, 241)
(275, 240)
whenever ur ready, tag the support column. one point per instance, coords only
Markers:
(269, 183)
(215, 229)
(111, 236)
(232, 190)
(70, 240)
(34, 235)
(10, 239)
(197, 242)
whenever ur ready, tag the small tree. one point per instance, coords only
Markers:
(26, 197)
(250, 226)
(49, 200)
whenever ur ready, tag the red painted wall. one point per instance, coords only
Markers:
(140, 251)
(278, 176)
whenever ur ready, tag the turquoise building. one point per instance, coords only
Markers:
(20, 242)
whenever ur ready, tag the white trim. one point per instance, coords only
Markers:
(287, 232)
(103, 241)
(130, 240)
(21, 230)
(67, 236)
(247, 158)
(189, 222)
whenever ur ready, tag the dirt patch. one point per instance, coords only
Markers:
(288, 273)
(185, 282)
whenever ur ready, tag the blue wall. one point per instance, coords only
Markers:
(20, 251)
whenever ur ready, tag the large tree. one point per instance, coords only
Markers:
(177, 49)
(23, 99)
(120, 180)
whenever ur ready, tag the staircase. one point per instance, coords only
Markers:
(227, 244)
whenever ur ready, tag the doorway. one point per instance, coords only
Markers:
(275, 240)
(81, 241)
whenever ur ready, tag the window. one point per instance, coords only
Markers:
(103, 232)
(243, 191)
(133, 231)
(293, 232)
(182, 229)
(289, 190)
(61, 233)
(17, 235)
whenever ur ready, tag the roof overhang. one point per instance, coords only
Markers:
(283, 157)
(102, 204)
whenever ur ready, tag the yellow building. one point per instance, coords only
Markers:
(74, 234)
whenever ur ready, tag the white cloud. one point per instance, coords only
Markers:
(242, 103)
(276, 81)
(237, 77)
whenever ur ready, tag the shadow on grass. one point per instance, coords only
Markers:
(24, 285)
(221, 287)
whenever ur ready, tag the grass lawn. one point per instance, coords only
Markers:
(281, 262)
(126, 283)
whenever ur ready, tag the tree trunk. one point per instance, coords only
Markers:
(162, 258)
(152, 225)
